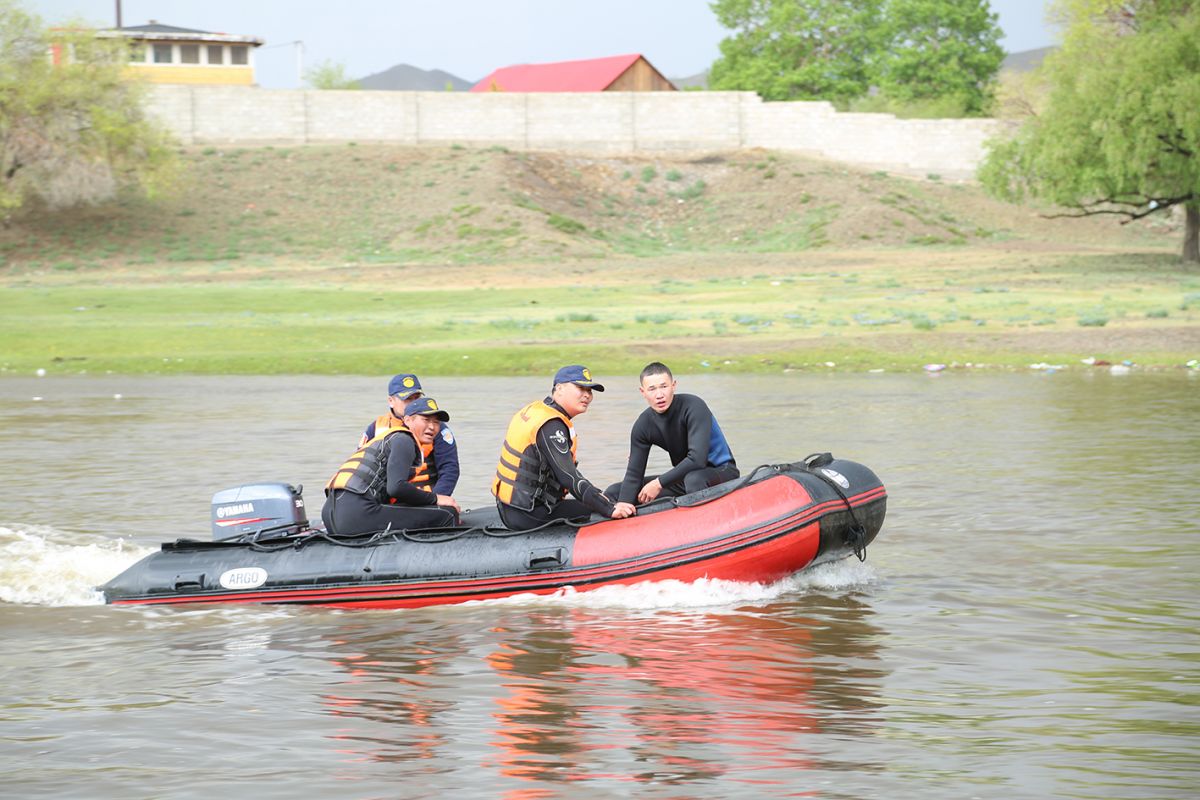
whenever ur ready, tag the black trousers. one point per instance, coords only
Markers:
(516, 519)
(348, 513)
(693, 481)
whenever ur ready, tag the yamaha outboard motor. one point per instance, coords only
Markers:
(258, 507)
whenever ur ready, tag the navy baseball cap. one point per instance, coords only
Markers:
(426, 407)
(403, 385)
(578, 375)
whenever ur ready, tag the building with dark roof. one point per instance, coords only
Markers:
(628, 73)
(166, 54)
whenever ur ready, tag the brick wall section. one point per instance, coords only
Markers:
(606, 123)
(590, 121)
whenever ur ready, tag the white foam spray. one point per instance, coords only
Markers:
(706, 592)
(44, 566)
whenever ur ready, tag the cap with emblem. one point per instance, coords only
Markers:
(426, 407)
(578, 375)
(404, 385)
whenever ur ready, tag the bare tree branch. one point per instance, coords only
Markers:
(1152, 204)
(1174, 144)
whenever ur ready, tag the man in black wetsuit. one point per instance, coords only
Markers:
(682, 425)
(372, 490)
(538, 466)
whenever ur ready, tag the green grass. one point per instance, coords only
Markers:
(272, 323)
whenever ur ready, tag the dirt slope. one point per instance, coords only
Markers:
(363, 205)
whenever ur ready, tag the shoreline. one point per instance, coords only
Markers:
(1157, 350)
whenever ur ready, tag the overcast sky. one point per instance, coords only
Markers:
(467, 38)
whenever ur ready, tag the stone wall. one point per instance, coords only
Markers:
(608, 122)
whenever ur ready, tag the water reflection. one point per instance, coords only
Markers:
(563, 695)
(1031, 632)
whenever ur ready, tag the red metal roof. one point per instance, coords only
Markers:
(589, 75)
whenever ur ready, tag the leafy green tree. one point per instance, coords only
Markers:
(1120, 133)
(798, 49)
(72, 127)
(941, 50)
(330, 75)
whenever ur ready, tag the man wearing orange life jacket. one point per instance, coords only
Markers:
(538, 467)
(372, 491)
(440, 471)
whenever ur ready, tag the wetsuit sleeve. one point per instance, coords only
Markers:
(565, 471)
(697, 420)
(639, 454)
(445, 456)
(402, 456)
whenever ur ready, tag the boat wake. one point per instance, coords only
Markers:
(40, 565)
(706, 592)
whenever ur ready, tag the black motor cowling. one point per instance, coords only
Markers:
(257, 507)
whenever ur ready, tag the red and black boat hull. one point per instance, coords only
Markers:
(776, 521)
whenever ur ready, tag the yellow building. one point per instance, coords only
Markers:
(166, 54)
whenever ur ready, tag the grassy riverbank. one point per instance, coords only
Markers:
(348, 260)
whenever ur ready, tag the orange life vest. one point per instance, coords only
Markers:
(426, 474)
(522, 480)
(365, 472)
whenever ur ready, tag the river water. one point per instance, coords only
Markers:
(1025, 626)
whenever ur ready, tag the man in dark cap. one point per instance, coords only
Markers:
(538, 466)
(372, 490)
(441, 470)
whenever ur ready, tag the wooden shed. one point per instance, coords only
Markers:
(628, 73)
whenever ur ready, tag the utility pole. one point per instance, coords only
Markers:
(299, 62)
(118, 14)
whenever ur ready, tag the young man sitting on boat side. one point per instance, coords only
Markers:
(374, 490)
(538, 466)
(441, 471)
(685, 427)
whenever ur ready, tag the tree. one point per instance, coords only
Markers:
(798, 49)
(1120, 133)
(72, 128)
(912, 51)
(330, 75)
(941, 50)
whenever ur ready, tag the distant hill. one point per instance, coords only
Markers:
(1026, 60)
(407, 78)
(698, 81)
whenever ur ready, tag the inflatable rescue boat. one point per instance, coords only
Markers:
(775, 521)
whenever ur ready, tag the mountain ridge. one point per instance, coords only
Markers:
(407, 78)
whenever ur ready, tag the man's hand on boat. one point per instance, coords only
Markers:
(623, 510)
(650, 491)
(447, 500)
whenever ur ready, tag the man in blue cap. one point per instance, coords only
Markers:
(441, 470)
(373, 489)
(538, 466)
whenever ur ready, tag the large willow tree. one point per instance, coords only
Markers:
(72, 128)
(1120, 131)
